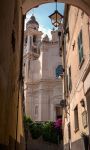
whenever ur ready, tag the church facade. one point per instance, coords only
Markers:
(43, 88)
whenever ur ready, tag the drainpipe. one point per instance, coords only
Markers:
(20, 76)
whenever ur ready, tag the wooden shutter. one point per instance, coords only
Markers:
(70, 80)
(80, 47)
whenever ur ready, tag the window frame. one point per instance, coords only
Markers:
(69, 131)
(69, 80)
(34, 39)
(36, 110)
(80, 48)
(76, 119)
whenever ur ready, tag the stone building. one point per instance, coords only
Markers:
(77, 83)
(43, 85)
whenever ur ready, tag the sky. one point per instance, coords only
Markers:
(41, 14)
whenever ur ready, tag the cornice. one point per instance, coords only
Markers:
(46, 81)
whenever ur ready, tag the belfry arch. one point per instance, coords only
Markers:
(82, 4)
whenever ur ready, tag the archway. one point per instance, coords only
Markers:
(82, 4)
(80, 7)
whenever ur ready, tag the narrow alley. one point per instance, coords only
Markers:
(45, 75)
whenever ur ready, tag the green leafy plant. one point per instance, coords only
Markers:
(35, 130)
(49, 133)
(27, 122)
(46, 130)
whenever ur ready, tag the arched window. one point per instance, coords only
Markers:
(34, 39)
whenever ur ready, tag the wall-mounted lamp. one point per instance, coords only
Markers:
(63, 103)
(60, 71)
(56, 17)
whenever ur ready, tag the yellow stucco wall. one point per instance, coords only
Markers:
(10, 35)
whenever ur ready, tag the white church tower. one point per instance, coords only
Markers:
(42, 85)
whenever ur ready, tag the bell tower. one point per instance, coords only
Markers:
(32, 39)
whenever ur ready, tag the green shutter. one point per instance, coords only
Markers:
(67, 89)
(70, 80)
(80, 47)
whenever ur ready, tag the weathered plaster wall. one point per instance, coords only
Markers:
(10, 45)
(76, 22)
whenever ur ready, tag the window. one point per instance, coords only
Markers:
(84, 119)
(36, 110)
(30, 42)
(70, 80)
(34, 39)
(34, 49)
(28, 66)
(80, 47)
(67, 33)
(76, 118)
(69, 131)
(26, 40)
(67, 90)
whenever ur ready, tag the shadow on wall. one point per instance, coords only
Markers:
(13, 144)
(82, 144)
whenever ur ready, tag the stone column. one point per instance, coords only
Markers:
(28, 44)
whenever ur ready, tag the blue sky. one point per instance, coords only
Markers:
(42, 12)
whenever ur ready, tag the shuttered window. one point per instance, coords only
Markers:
(80, 47)
(69, 131)
(67, 89)
(76, 118)
(70, 80)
